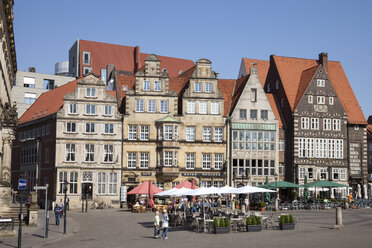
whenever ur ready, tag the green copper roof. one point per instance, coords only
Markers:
(168, 119)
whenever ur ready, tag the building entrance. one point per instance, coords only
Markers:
(87, 190)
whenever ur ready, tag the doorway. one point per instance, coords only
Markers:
(87, 190)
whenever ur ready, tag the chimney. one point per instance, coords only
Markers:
(253, 70)
(137, 61)
(323, 60)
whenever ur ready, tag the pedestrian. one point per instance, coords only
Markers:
(246, 203)
(156, 225)
(57, 212)
(165, 225)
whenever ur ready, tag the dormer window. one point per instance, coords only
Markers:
(320, 82)
(86, 58)
(91, 92)
(198, 87)
(157, 86)
(208, 87)
(146, 85)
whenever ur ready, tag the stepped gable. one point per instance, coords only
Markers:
(48, 103)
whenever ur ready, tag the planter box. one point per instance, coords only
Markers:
(287, 226)
(220, 230)
(254, 228)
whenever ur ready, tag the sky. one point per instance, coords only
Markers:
(221, 31)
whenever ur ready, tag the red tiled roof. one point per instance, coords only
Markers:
(123, 58)
(227, 88)
(238, 89)
(262, 67)
(274, 107)
(306, 77)
(48, 103)
(124, 80)
(290, 72)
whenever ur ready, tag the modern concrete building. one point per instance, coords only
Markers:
(29, 86)
(8, 114)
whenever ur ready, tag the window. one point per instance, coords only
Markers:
(103, 75)
(160, 185)
(70, 152)
(281, 169)
(207, 134)
(47, 130)
(73, 183)
(335, 174)
(61, 179)
(277, 84)
(89, 153)
(190, 160)
(168, 158)
(139, 106)
(336, 124)
(168, 132)
(253, 114)
(146, 85)
(108, 153)
(320, 82)
(163, 106)
(215, 108)
(90, 109)
(86, 70)
(113, 181)
(281, 145)
(315, 123)
(343, 174)
(157, 86)
(70, 127)
(208, 87)
(144, 161)
(243, 114)
(30, 98)
(151, 106)
(253, 95)
(131, 160)
(206, 161)
(310, 99)
(144, 134)
(132, 132)
(198, 87)
(218, 161)
(190, 133)
(91, 92)
(304, 122)
(28, 82)
(330, 99)
(218, 134)
(191, 107)
(48, 84)
(327, 124)
(86, 58)
(264, 114)
(202, 107)
(101, 182)
(302, 173)
(320, 99)
(90, 127)
(109, 128)
(323, 174)
(107, 110)
(72, 109)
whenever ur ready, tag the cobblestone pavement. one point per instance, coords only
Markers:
(118, 228)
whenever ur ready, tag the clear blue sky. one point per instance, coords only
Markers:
(222, 31)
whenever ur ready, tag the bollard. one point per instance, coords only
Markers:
(339, 224)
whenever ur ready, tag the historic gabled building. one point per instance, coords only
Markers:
(325, 129)
(73, 134)
(174, 127)
(254, 129)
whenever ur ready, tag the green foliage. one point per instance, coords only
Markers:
(286, 218)
(248, 221)
(227, 222)
(222, 222)
(259, 222)
(261, 204)
(254, 220)
(291, 220)
(236, 203)
(294, 195)
(282, 219)
(215, 222)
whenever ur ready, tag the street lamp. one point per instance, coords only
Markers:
(65, 207)
(277, 194)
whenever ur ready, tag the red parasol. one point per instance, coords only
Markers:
(186, 184)
(144, 188)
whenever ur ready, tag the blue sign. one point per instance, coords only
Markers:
(22, 184)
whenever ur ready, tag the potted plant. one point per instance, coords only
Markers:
(221, 227)
(236, 204)
(286, 222)
(261, 206)
(253, 224)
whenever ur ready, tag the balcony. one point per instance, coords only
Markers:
(167, 172)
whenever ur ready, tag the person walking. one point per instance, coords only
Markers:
(156, 225)
(165, 225)
(57, 212)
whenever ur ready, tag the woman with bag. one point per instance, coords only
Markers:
(165, 225)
